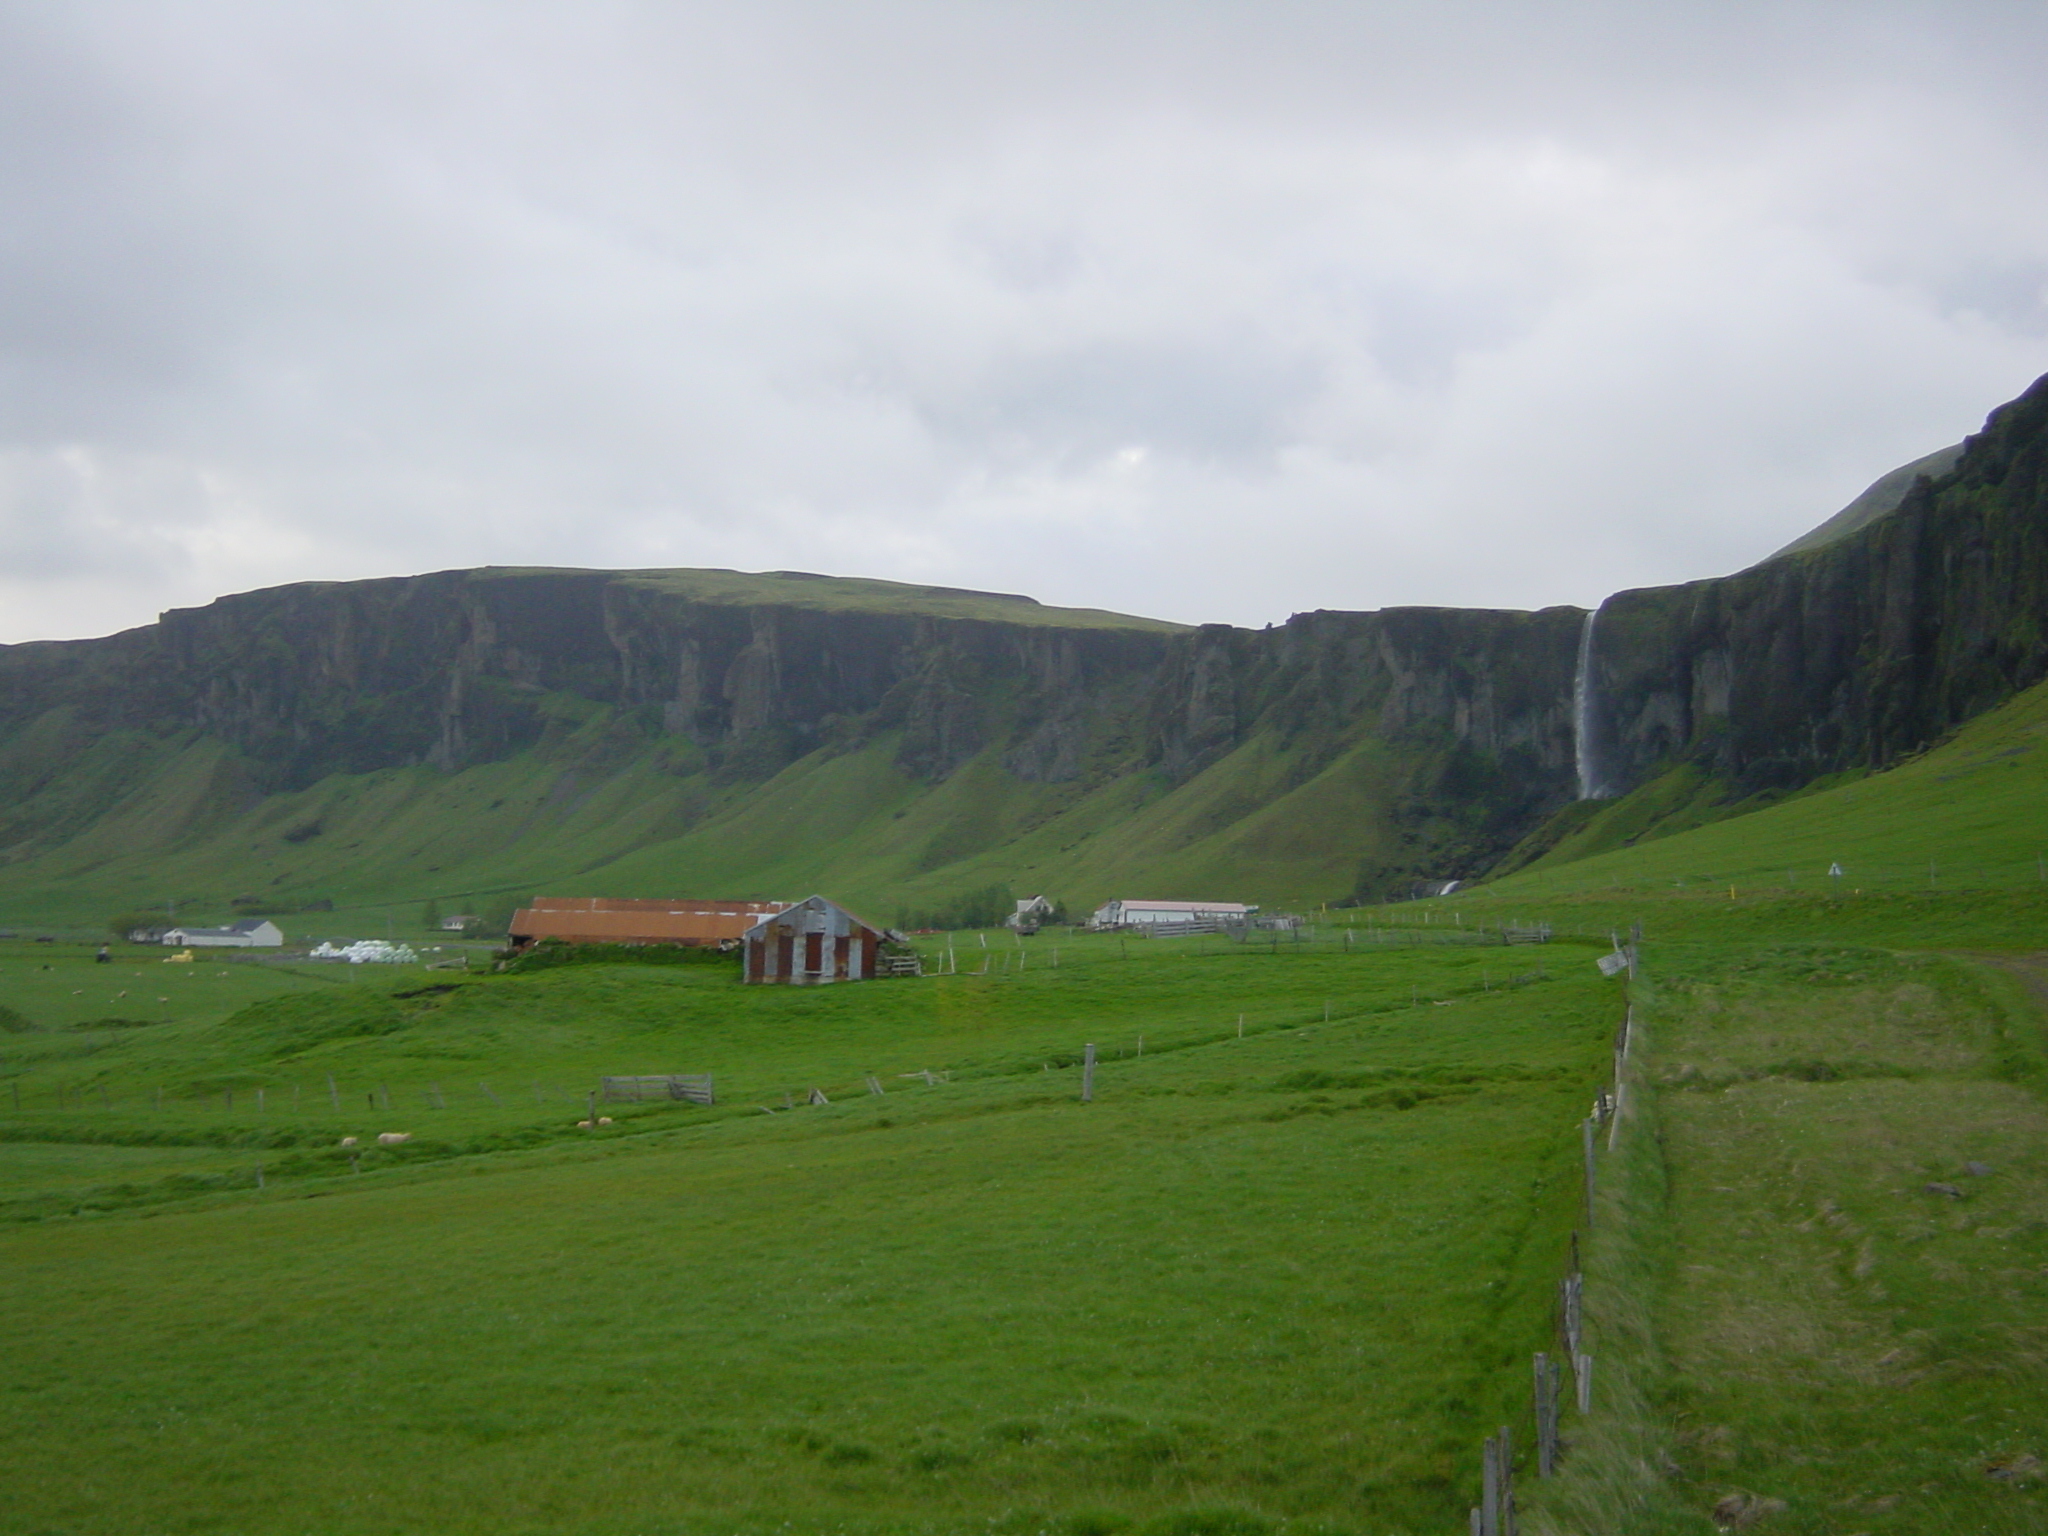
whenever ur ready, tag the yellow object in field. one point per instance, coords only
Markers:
(182, 957)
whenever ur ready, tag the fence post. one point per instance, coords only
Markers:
(1546, 1416)
(1586, 1135)
(1088, 1074)
(333, 1094)
(592, 1101)
(1489, 1488)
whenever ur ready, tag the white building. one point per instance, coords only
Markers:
(249, 933)
(1155, 915)
(1029, 914)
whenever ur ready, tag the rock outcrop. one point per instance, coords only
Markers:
(1847, 655)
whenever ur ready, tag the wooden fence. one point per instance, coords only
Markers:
(671, 1085)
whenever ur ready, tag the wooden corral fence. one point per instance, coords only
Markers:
(669, 1085)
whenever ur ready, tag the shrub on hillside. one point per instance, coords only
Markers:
(989, 907)
(122, 924)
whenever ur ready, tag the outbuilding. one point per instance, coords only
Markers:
(811, 943)
(1169, 916)
(616, 920)
(1030, 914)
(249, 933)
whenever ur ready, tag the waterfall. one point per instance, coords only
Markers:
(1591, 786)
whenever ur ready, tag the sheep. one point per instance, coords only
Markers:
(348, 1141)
(392, 1138)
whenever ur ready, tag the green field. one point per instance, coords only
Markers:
(1818, 1285)
(1288, 1278)
(1278, 1279)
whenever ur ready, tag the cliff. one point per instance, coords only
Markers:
(724, 682)
(1850, 654)
(662, 731)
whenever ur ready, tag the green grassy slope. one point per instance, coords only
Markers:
(1975, 809)
(568, 819)
(1280, 1280)
(1815, 1288)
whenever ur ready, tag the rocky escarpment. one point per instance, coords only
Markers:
(458, 668)
(1848, 655)
(1459, 726)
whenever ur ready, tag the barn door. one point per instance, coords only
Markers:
(840, 946)
(814, 952)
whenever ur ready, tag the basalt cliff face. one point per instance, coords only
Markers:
(1093, 747)
(1848, 655)
(459, 669)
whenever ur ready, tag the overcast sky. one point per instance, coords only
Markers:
(1214, 312)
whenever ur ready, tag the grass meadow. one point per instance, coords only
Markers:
(1281, 1276)
(1835, 1270)
(1284, 1280)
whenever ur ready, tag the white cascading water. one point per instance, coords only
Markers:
(1590, 785)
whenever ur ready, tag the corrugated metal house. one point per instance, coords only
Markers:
(811, 943)
(612, 920)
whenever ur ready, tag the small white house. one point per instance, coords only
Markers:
(1029, 914)
(249, 933)
(459, 923)
(1158, 916)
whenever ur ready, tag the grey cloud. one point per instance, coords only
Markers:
(1464, 303)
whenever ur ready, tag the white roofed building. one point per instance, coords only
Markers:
(1030, 913)
(249, 933)
(1168, 914)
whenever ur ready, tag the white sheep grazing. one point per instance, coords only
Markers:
(604, 1119)
(348, 1141)
(582, 1125)
(392, 1138)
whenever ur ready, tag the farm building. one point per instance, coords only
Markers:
(1030, 914)
(249, 933)
(610, 920)
(811, 943)
(1157, 915)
